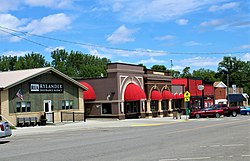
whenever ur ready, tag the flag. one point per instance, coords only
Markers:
(19, 94)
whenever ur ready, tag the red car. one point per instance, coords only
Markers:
(207, 112)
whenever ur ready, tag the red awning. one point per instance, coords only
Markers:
(134, 93)
(166, 95)
(88, 95)
(181, 96)
(155, 95)
(175, 96)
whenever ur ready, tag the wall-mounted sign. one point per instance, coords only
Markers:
(46, 88)
(200, 87)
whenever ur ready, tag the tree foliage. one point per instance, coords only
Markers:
(29, 61)
(186, 72)
(76, 64)
(205, 74)
(159, 67)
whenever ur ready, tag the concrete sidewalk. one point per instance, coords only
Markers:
(94, 124)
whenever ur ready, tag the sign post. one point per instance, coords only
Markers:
(187, 100)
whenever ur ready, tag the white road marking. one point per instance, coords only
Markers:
(198, 158)
(234, 145)
(203, 146)
(167, 159)
(245, 155)
(214, 145)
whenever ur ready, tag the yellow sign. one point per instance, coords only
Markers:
(187, 99)
(186, 94)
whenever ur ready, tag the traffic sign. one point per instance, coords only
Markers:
(186, 94)
(187, 99)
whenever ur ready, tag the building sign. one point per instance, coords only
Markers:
(46, 88)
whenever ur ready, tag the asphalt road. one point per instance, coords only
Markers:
(209, 139)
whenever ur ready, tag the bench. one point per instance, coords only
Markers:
(26, 121)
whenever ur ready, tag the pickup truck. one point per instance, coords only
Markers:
(5, 130)
(228, 111)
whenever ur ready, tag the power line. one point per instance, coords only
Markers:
(23, 38)
(105, 47)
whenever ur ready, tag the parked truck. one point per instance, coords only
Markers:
(228, 111)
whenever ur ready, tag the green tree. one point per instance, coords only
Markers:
(186, 72)
(59, 60)
(205, 74)
(236, 70)
(33, 60)
(76, 64)
(159, 67)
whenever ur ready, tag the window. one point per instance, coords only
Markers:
(67, 104)
(164, 105)
(23, 106)
(132, 107)
(106, 108)
(18, 107)
(154, 106)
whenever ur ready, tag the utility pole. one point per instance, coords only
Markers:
(171, 65)
(228, 101)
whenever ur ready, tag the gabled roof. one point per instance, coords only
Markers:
(12, 78)
(219, 84)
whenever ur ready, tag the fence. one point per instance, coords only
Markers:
(73, 116)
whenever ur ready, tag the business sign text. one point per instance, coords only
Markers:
(46, 88)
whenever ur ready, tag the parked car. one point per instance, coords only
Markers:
(207, 112)
(228, 111)
(245, 110)
(5, 130)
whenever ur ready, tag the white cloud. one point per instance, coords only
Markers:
(50, 3)
(201, 61)
(48, 24)
(158, 10)
(10, 21)
(194, 43)
(246, 57)
(117, 6)
(246, 46)
(225, 6)
(151, 60)
(15, 53)
(165, 37)
(182, 22)
(7, 5)
(121, 35)
(212, 23)
(50, 49)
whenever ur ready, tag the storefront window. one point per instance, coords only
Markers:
(18, 107)
(165, 105)
(132, 107)
(106, 108)
(67, 104)
(23, 106)
(154, 106)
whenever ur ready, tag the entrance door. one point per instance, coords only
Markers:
(48, 110)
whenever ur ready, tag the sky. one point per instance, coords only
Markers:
(188, 33)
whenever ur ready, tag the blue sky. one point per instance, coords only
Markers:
(194, 33)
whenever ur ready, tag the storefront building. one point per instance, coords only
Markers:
(129, 91)
(119, 95)
(220, 93)
(37, 92)
(158, 92)
(191, 85)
